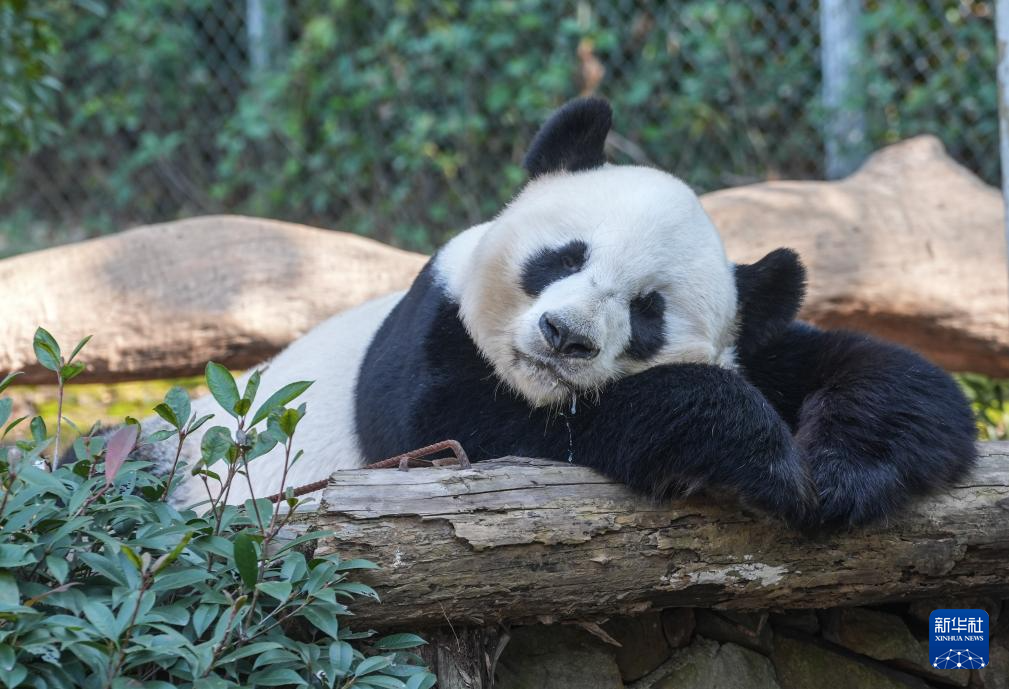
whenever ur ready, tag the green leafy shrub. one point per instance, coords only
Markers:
(406, 121)
(104, 583)
(989, 398)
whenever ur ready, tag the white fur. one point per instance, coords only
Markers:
(645, 230)
(329, 354)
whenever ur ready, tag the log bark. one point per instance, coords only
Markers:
(162, 300)
(910, 248)
(518, 540)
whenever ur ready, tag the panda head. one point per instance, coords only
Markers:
(595, 272)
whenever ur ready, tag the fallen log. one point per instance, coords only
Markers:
(162, 300)
(517, 540)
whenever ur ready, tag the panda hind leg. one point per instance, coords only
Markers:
(883, 426)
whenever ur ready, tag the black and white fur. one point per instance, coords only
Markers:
(597, 320)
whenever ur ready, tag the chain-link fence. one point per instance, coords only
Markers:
(406, 120)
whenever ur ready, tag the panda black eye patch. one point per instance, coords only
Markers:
(647, 320)
(547, 266)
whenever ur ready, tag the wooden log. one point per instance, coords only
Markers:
(164, 299)
(517, 540)
(910, 248)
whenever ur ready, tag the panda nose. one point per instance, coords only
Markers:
(565, 342)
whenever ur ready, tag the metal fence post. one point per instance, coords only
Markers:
(264, 27)
(840, 57)
(1002, 34)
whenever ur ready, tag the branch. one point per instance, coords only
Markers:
(520, 539)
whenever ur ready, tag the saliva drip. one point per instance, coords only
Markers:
(567, 423)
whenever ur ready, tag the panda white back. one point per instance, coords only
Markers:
(330, 355)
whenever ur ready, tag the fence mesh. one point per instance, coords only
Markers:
(406, 120)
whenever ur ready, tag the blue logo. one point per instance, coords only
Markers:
(958, 639)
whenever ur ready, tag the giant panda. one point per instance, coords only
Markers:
(597, 320)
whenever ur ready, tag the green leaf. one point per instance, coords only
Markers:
(167, 413)
(281, 590)
(274, 657)
(132, 556)
(341, 655)
(355, 588)
(263, 444)
(380, 681)
(5, 383)
(7, 658)
(423, 680)
(46, 350)
(242, 407)
(58, 567)
(281, 397)
(38, 428)
(276, 677)
(102, 618)
(9, 595)
(16, 676)
(177, 399)
(222, 386)
(199, 422)
(246, 559)
(288, 422)
(252, 387)
(322, 620)
(203, 617)
(168, 558)
(215, 444)
(249, 650)
(395, 642)
(183, 578)
(158, 436)
(373, 664)
(6, 405)
(12, 425)
(79, 347)
(72, 370)
(355, 564)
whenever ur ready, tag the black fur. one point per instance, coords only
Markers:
(572, 139)
(648, 315)
(770, 293)
(549, 265)
(823, 429)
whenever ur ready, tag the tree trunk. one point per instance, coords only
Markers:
(517, 540)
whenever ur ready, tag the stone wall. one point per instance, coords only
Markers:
(684, 648)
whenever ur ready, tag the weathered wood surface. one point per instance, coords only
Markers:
(910, 247)
(164, 299)
(520, 539)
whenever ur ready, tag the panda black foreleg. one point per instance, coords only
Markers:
(678, 428)
(877, 423)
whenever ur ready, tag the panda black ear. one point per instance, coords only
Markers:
(769, 295)
(572, 139)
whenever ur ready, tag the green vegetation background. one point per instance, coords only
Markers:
(404, 120)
